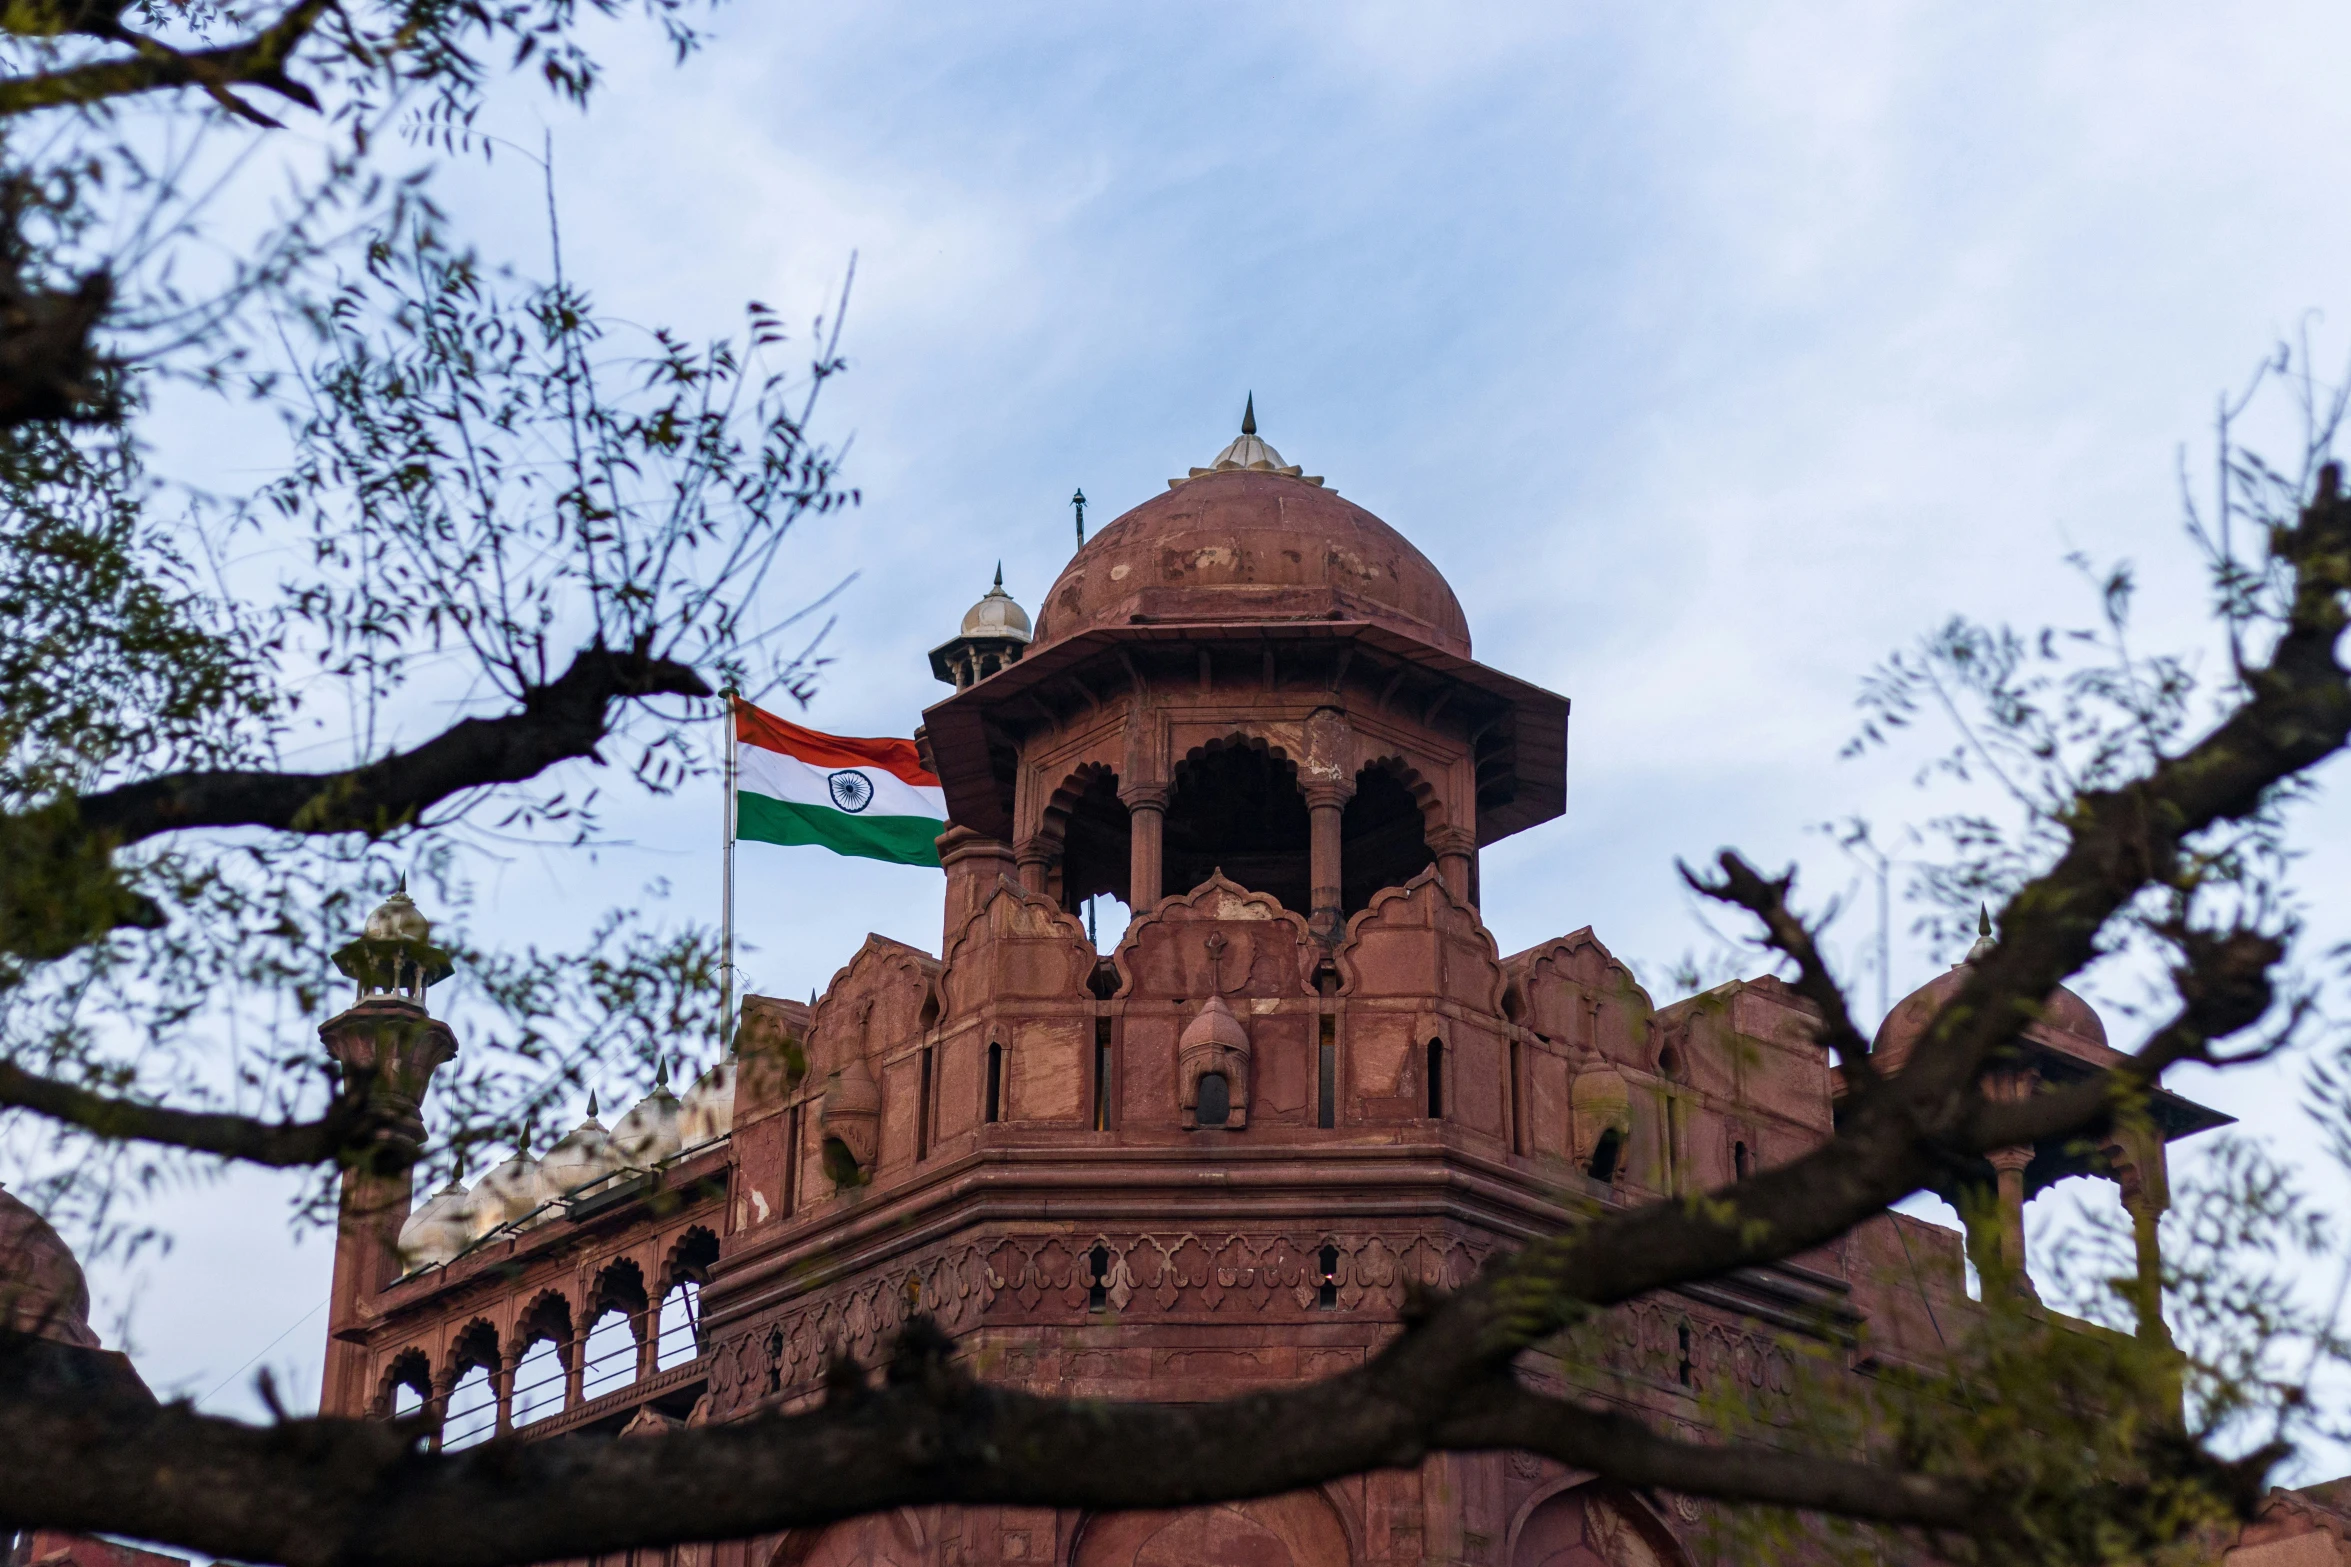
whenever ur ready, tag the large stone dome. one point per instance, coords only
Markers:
(42, 1290)
(2064, 1013)
(1251, 544)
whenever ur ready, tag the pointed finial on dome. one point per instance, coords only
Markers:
(591, 1104)
(1247, 452)
(661, 1070)
(999, 576)
(1983, 940)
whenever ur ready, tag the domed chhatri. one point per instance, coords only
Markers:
(995, 633)
(1252, 539)
(394, 955)
(2065, 1016)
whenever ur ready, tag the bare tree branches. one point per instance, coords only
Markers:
(258, 61)
(559, 721)
(354, 1125)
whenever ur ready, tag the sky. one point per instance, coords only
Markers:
(1712, 352)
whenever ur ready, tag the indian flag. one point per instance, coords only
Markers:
(869, 798)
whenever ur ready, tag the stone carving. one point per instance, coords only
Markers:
(1217, 939)
(1187, 1274)
(852, 1120)
(1601, 1108)
(1214, 1043)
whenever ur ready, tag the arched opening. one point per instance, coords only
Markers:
(1589, 1526)
(1098, 1279)
(611, 1353)
(407, 1385)
(1607, 1153)
(678, 1335)
(1096, 849)
(1436, 1079)
(1216, 1100)
(1326, 1279)
(472, 1412)
(540, 1375)
(538, 1382)
(1382, 837)
(1299, 1529)
(994, 1106)
(1236, 808)
(609, 1358)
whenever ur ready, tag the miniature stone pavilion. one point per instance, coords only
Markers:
(1210, 1160)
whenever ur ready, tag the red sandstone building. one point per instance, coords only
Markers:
(1211, 1159)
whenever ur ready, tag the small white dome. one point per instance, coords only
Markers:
(584, 1156)
(398, 918)
(438, 1231)
(707, 1113)
(509, 1192)
(649, 1133)
(996, 615)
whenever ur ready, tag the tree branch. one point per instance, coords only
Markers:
(2225, 987)
(355, 1127)
(360, 1494)
(1767, 899)
(259, 61)
(559, 721)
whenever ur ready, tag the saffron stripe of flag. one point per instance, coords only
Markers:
(866, 798)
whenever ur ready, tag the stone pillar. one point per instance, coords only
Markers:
(1456, 851)
(2011, 1085)
(445, 1383)
(575, 1366)
(648, 1326)
(1979, 1212)
(1146, 844)
(974, 863)
(2139, 1169)
(502, 1382)
(1035, 857)
(2009, 1165)
(1325, 805)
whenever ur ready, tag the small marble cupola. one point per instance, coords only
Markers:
(995, 633)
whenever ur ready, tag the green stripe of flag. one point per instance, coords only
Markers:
(904, 840)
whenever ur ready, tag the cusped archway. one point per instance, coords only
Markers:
(1587, 1527)
(894, 1539)
(1297, 1530)
(1235, 807)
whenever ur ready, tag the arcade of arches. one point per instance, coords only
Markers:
(1235, 808)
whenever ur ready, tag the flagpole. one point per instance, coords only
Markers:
(726, 924)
